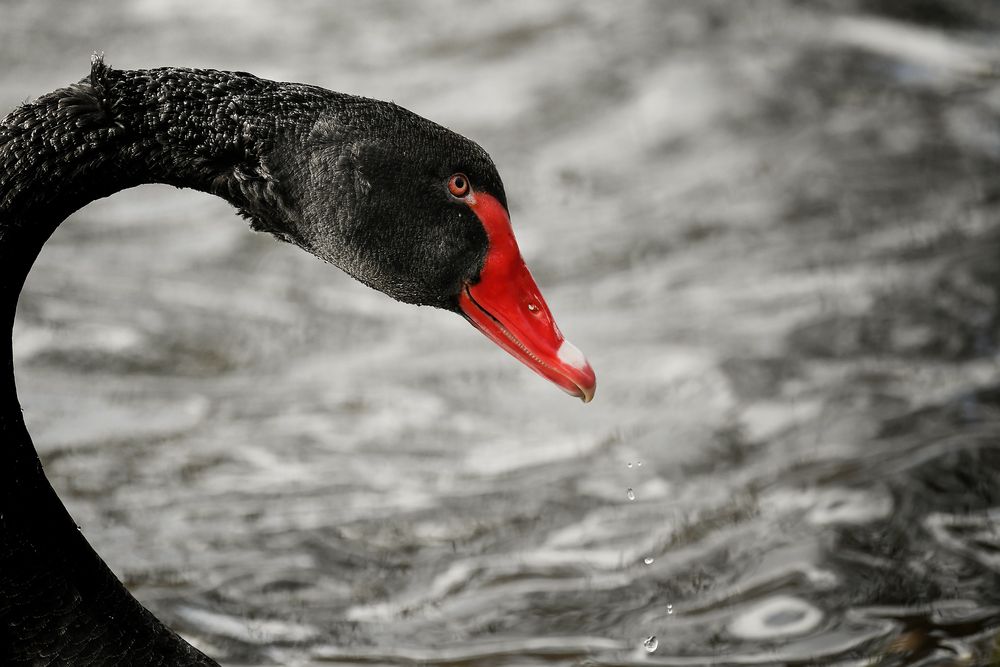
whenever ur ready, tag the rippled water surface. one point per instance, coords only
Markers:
(772, 226)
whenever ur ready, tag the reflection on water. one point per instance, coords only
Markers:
(772, 227)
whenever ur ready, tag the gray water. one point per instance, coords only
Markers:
(772, 227)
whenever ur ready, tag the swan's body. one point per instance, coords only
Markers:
(360, 183)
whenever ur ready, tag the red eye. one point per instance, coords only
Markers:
(458, 185)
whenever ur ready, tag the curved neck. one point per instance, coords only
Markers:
(203, 129)
(213, 131)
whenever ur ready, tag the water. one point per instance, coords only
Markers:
(772, 227)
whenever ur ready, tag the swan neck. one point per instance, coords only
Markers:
(212, 131)
(217, 132)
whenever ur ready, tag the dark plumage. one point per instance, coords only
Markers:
(335, 174)
(300, 162)
(363, 184)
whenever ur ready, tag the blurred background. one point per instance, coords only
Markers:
(771, 225)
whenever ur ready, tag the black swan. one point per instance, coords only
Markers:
(398, 202)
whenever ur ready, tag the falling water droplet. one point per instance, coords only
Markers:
(630, 494)
(670, 609)
(648, 560)
(639, 464)
(650, 644)
(629, 464)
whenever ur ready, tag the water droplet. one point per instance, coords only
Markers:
(639, 464)
(629, 464)
(650, 644)
(670, 609)
(648, 560)
(630, 494)
(533, 308)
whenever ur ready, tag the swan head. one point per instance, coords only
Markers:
(419, 213)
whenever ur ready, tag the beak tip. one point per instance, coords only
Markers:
(578, 370)
(586, 389)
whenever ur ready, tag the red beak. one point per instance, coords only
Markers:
(506, 306)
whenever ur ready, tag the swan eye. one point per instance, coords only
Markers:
(458, 185)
